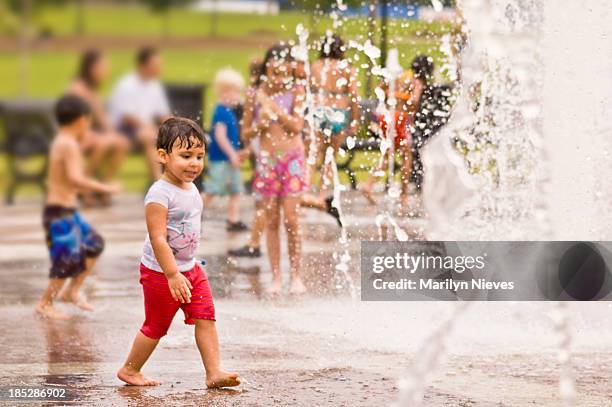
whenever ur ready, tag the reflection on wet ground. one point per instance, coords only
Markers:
(320, 349)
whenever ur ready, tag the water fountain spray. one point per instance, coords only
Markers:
(496, 141)
(301, 54)
(394, 70)
(428, 358)
(387, 145)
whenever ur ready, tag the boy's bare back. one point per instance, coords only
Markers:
(65, 164)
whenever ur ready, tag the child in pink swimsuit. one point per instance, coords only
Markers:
(274, 114)
(280, 173)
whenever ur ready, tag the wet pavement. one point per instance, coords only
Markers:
(322, 349)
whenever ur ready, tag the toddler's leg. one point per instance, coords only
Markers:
(208, 345)
(142, 349)
(291, 207)
(259, 224)
(233, 208)
(273, 240)
(326, 171)
(313, 150)
(45, 305)
(71, 292)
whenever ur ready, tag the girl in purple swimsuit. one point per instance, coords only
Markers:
(274, 113)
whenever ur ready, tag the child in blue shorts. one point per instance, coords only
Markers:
(73, 244)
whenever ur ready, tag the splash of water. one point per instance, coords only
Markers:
(400, 234)
(344, 258)
(428, 358)
(495, 136)
(301, 54)
(494, 126)
(562, 330)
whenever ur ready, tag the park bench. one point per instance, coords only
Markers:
(28, 127)
(188, 100)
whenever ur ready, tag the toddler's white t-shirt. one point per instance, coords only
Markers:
(183, 226)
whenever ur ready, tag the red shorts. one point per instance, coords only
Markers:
(160, 307)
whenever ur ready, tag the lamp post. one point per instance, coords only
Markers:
(384, 16)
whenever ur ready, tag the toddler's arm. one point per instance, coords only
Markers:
(156, 216)
(220, 135)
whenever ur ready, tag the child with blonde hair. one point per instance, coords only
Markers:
(225, 155)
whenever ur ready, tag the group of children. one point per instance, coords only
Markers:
(272, 127)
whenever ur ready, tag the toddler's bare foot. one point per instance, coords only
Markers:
(297, 286)
(76, 299)
(222, 379)
(49, 311)
(134, 378)
(275, 288)
(366, 191)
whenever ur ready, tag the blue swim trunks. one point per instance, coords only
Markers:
(70, 241)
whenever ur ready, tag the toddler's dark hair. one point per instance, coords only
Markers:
(69, 108)
(188, 132)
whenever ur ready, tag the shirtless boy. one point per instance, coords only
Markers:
(73, 244)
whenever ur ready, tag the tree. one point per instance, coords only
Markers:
(163, 8)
